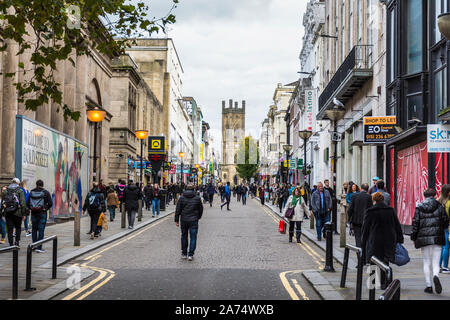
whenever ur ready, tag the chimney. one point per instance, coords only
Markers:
(243, 104)
(223, 105)
(236, 105)
(231, 104)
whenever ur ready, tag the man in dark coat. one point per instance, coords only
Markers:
(148, 194)
(321, 205)
(95, 205)
(359, 203)
(132, 195)
(189, 209)
(210, 191)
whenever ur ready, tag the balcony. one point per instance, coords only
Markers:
(354, 72)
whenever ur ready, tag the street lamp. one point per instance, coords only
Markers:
(335, 114)
(141, 135)
(181, 155)
(305, 135)
(95, 115)
(444, 24)
(287, 148)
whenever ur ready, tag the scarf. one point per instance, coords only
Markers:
(295, 199)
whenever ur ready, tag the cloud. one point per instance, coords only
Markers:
(236, 49)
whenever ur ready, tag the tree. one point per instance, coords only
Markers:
(248, 162)
(53, 30)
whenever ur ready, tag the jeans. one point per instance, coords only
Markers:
(226, 203)
(3, 228)
(211, 199)
(155, 206)
(38, 222)
(112, 212)
(239, 197)
(94, 221)
(445, 251)
(244, 199)
(192, 228)
(25, 223)
(131, 214)
(358, 234)
(11, 223)
(222, 197)
(320, 223)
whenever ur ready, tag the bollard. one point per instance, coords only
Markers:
(76, 229)
(334, 216)
(54, 258)
(329, 248)
(15, 288)
(140, 210)
(122, 210)
(311, 221)
(343, 226)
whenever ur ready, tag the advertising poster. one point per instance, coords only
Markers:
(57, 159)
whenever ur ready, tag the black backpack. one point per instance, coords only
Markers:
(94, 202)
(37, 201)
(10, 201)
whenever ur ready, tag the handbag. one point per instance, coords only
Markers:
(282, 227)
(289, 213)
(401, 255)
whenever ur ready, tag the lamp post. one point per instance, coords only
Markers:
(305, 135)
(141, 135)
(335, 114)
(181, 155)
(95, 115)
(287, 148)
(444, 24)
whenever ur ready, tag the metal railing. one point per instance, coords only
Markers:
(15, 278)
(33, 245)
(359, 274)
(392, 292)
(384, 268)
(360, 57)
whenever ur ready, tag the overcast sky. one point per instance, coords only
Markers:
(236, 49)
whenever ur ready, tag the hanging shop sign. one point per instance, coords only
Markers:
(438, 138)
(156, 145)
(377, 130)
(310, 100)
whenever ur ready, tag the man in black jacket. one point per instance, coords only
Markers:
(190, 208)
(359, 203)
(132, 195)
(39, 202)
(95, 205)
(148, 193)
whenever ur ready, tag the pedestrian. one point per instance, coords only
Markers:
(210, 191)
(321, 207)
(148, 194)
(428, 233)
(23, 186)
(380, 188)
(102, 224)
(444, 199)
(262, 194)
(120, 189)
(39, 202)
(296, 202)
(131, 197)
(112, 202)
(244, 192)
(374, 187)
(227, 193)
(2, 220)
(156, 200)
(359, 203)
(95, 205)
(15, 211)
(354, 189)
(188, 212)
(380, 233)
(102, 188)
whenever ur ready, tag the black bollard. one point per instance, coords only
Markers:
(329, 248)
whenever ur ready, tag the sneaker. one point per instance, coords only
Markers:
(28, 233)
(428, 290)
(319, 239)
(445, 270)
(183, 256)
(437, 284)
(190, 258)
(40, 250)
(2, 241)
(96, 236)
(92, 236)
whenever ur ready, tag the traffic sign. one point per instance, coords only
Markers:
(156, 145)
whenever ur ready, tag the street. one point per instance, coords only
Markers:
(240, 255)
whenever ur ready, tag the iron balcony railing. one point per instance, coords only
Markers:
(359, 58)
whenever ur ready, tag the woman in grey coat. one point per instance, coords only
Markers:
(297, 202)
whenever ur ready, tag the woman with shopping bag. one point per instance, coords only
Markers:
(294, 211)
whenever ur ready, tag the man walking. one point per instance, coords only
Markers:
(374, 187)
(227, 193)
(244, 192)
(39, 202)
(359, 203)
(211, 190)
(148, 194)
(189, 209)
(132, 196)
(15, 210)
(95, 205)
(387, 196)
(321, 206)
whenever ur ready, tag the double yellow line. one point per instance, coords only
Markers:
(105, 274)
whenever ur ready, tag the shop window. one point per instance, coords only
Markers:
(414, 35)
(414, 108)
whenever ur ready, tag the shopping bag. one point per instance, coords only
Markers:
(401, 255)
(282, 227)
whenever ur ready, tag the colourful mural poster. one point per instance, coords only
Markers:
(57, 159)
(412, 180)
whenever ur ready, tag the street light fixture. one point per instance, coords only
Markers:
(95, 115)
(287, 148)
(141, 135)
(305, 135)
(444, 24)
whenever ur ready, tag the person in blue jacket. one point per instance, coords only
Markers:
(23, 186)
(227, 197)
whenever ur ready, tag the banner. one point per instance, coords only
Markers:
(57, 159)
(310, 99)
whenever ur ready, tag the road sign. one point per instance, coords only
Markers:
(336, 137)
(377, 130)
(156, 145)
(299, 164)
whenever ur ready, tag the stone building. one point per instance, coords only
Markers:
(233, 131)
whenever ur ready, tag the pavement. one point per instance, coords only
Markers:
(46, 287)
(410, 275)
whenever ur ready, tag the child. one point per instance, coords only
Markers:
(102, 223)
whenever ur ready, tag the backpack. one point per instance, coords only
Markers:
(37, 202)
(94, 202)
(120, 191)
(10, 201)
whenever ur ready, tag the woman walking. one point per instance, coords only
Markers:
(428, 233)
(444, 199)
(296, 202)
(112, 202)
(354, 189)
(262, 194)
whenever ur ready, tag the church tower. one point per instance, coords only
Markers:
(233, 131)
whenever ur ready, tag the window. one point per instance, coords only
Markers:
(414, 35)
(440, 90)
(359, 22)
(391, 49)
(342, 31)
(440, 6)
(414, 107)
(350, 24)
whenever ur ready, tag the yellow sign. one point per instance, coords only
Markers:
(201, 152)
(156, 144)
(380, 120)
